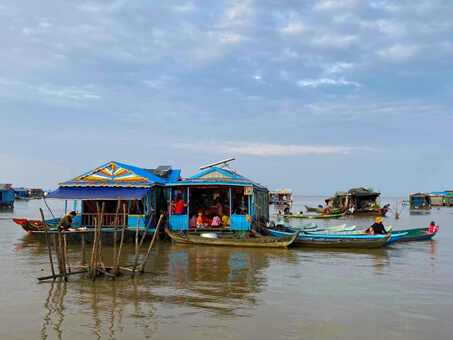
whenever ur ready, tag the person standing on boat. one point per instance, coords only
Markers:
(179, 206)
(66, 222)
(377, 228)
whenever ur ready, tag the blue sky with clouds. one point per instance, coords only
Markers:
(317, 96)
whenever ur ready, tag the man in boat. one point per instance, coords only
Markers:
(384, 209)
(66, 222)
(327, 210)
(286, 211)
(377, 228)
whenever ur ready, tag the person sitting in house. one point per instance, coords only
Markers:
(377, 228)
(66, 222)
(219, 206)
(179, 206)
(201, 219)
(225, 220)
(216, 221)
(433, 228)
(193, 222)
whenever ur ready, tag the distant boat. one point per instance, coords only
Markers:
(314, 216)
(228, 239)
(320, 210)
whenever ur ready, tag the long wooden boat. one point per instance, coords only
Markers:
(342, 241)
(228, 239)
(417, 234)
(306, 226)
(75, 236)
(35, 225)
(321, 210)
(331, 241)
(314, 216)
(344, 232)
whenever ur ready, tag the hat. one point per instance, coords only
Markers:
(378, 220)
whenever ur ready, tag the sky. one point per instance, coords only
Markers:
(318, 96)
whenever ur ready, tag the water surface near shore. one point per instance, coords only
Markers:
(398, 292)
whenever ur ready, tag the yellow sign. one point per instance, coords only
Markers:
(248, 191)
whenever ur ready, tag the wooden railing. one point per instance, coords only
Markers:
(88, 220)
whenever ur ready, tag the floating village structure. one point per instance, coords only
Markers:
(142, 192)
(283, 197)
(243, 200)
(7, 196)
(420, 201)
(357, 200)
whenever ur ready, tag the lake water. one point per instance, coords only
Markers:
(403, 291)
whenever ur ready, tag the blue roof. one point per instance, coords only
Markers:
(117, 175)
(226, 177)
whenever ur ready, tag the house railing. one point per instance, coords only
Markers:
(88, 220)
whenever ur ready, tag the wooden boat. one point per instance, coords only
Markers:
(314, 216)
(35, 225)
(321, 210)
(417, 234)
(329, 241)
(75, 236)
(229, 239)
(307, 226)
(342, 241)
(344, 232)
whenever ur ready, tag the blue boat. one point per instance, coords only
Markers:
(341, 241)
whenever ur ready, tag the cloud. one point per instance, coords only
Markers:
(399, 53)
(263, 149)
(332, 41)
(333, 5)
(184, 8)
(325, 81)
(293, 28)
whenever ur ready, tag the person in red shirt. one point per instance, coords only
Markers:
(179, 206)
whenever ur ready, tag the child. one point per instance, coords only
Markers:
(433, 228)
(201, 219)
(216, 221)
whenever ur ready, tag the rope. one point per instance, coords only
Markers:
(44, 198)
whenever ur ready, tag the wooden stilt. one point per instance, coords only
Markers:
(48, 243)
(116, 269)
(136, 247)
(142, 269)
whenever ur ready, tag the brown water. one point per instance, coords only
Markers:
(403, 291)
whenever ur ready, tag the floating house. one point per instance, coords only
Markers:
(142, 192)
(241, 199)
(357, 201)
(22, 193)
(283, 196)
(7, 196)
(420, 201)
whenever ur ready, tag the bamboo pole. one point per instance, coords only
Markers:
(47, 243)
(115, 225)
(136, 247)
(116, 269)
(55, 248)
(142, 269)
(83, 250)
(61, 252)
(66, 253)
(61, 275)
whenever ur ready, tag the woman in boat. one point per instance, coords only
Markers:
(327, 210)
(377, 228)
(384, 209)
(66, 222)
(286, 210)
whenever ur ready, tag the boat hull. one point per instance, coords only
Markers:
(417, 234)
(314, 216)
(267, 242)
(75, 237)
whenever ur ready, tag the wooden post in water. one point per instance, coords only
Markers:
(83, 250)
(55, 248)
(115, 225)
(116, 268)
(48, 243)
(61, 253)
(142, 268)
(136, 247)
(66, 253)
